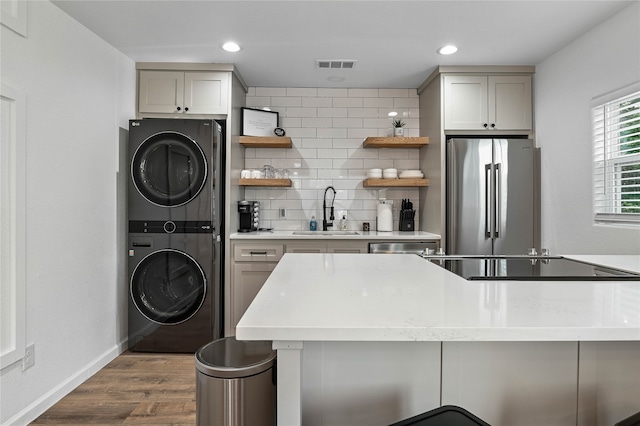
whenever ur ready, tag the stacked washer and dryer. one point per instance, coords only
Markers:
(174, 245)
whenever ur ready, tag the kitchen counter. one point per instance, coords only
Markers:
(335, 235)
(405, 298)
(318, 301)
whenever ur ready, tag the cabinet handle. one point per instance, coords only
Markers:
(493, 125)
(186, 109)
(264, 253)
(485, 125)
(179, 108)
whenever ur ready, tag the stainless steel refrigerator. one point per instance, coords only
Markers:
(491, 196)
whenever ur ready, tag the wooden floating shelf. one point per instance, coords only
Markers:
(266, 141)
(265, 182)
(378, 183)
(396, 142)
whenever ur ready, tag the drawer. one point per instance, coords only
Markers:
(257, 252)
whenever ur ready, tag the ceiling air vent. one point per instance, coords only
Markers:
(335, 63)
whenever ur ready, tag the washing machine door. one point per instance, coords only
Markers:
(168, 286)
(169, 169)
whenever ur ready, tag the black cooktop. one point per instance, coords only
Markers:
(526, 268)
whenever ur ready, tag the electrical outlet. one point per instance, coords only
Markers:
(283, 213)
(29, 359)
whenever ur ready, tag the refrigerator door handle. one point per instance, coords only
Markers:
(487, 200)
(498, 196)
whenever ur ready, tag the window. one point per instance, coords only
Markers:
(616, 155)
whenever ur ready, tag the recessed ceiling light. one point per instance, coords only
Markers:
(447, 50)
(230, 46)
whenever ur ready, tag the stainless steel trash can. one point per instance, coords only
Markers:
(235, 383)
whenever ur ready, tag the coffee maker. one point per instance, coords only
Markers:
(249, 214)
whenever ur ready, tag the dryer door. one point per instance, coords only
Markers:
(169, 169)
(168, 287)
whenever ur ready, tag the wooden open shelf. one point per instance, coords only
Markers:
(396, 142)
(378, 183)
(266, 142)
(265, 182)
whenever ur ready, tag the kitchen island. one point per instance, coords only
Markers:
(373, 339)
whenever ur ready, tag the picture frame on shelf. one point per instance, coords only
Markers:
(258, 122)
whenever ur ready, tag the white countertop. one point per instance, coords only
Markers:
(402, 297)
(334, 235)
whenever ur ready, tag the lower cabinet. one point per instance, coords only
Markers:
(342, 246)
(252, 264)
(248, 278)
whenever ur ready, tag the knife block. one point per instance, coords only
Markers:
(407, 220)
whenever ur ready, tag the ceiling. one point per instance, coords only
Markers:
(393, 42)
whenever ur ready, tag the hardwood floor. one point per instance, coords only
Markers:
(134, 389)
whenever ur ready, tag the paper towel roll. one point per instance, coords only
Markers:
(385, 217)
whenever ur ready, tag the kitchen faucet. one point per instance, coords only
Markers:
(325, 224)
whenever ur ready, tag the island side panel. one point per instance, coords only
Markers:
(368, 383)
(609, 388)
(512, 383)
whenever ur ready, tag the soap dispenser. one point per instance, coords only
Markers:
(343, 223)
(313, 225)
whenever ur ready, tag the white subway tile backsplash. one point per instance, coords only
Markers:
(363, 112)
(301, 112)
(332, 133)
(327, 127)
(347, 102)
(258, 101)
(406, 102)
(332, 93)
(332, 153)
(317, 122)
(332, 112)
(302, 91)
(347, 122)
(363, 93)
(288, 101)
(317, 102)
(394, 93)
(271, 91)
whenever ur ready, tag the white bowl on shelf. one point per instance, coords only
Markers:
(374, 175)
(411, 174)
(390, 173)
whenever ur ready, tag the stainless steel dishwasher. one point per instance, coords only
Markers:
(403, 247)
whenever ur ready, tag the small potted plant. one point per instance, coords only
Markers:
(398, 127)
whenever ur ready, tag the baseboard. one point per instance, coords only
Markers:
(46, 401)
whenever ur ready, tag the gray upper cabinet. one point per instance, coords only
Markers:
(486, 102)
(183, 92)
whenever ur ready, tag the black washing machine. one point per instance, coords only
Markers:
(174, 234)
(172, 169)
(172, 288)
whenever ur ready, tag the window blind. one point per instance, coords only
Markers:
(616, 159)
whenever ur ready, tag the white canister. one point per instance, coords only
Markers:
(385, 217)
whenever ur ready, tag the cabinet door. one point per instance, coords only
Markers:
(161, 92)
(347, 247)
(306, 247)
(510, 102)
(465, 102)
(248, 278)
(206, 92)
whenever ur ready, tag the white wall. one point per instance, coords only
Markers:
(327, 127)
(79, 92)
(604, 59)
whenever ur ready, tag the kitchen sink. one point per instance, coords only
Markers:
(338, 233)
